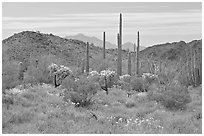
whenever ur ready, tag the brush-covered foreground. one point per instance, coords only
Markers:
(41, 109)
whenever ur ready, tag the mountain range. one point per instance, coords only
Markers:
(99, 43)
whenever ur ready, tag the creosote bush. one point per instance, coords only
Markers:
(138, 84)
(10, 75)
(40, 73)
(175, 97)
(80, 92)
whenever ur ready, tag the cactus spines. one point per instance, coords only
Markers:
(138, 48)
(87, 57)
(129, 63)
(119, 60)
(104, 45)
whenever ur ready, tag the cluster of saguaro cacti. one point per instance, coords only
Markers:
(193, 66)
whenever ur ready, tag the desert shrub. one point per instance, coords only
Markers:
(81, 91)
(22, 117)
(150, 78)
(173, 98)
(40, 74)
(10, 75)
(138, 84)
(101, 64)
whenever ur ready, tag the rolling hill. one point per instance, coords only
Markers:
(28, 44)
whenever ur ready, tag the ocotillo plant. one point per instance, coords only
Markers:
(87, 57)
(129, 63)
(104, 45)
(134, 59)
(119, 61)
(138, 48)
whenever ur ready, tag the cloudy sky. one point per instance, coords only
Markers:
(157, 22)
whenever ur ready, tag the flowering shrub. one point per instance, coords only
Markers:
(109, 76)
(94, 76)
(59, 72)
(150, 78)
(125, 78)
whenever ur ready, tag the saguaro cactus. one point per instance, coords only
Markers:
(104, 45)
(134, 59)
(129, 63)
(21, 71)
(120, 29)
(82, 65)
(119, 39)
(138, 50)
(119, 63)
(87, 57)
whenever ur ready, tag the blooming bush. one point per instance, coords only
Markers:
(126, 78)
(94, 76)
(59, 72)
(150, 78)
(109, 76)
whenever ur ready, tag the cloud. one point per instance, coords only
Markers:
(150, 24)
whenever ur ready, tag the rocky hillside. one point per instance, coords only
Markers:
(28, 44)
(170, 51)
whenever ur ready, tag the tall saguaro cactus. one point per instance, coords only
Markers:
(129, 63)
(87, 57)
(119, 39)
(138, 50)
(104, 45)
(134, 59)
(119, 63)
(120, 29)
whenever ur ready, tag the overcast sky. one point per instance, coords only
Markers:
(157, 22)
